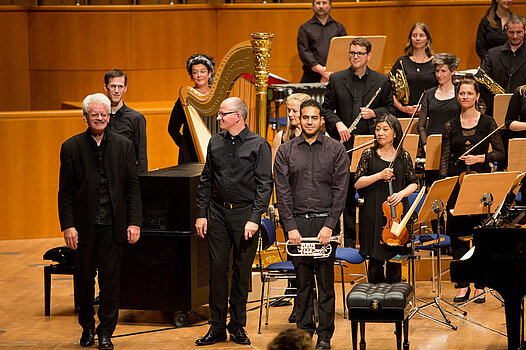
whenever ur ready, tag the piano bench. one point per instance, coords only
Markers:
(63, 256)
(382, 303)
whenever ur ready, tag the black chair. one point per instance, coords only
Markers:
(63, 258)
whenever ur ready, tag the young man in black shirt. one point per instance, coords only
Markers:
(312, 174)
(123, 119)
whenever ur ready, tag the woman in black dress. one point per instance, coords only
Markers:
(491, 31)
(439, 104)
(459, 135)
(371, 176)
(516, 123)
(418, 68)
(200, 67)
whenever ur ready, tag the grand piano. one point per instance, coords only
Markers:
(499, 262)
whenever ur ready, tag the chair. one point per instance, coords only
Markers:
(63, 256)
(351, 256)
(282, 270)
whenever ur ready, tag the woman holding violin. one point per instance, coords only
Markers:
(372, 176)
(460, 135)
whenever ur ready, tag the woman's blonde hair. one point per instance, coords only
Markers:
(289, 130)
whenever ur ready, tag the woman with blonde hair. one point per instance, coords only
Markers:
(293, 128)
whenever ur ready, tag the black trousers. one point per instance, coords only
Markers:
(105, 254)
(226, 229)
(393, 271)
(306, 268)
(458, 226)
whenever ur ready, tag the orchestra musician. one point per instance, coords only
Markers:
(418, 68)
(506, 64)
(347, 93)
(233, 192)
(516, 122)
(293, 128)
(314, 38)
(200, 68)
(459, 135)
(312, 175)
(439, 104)
(371, 177)
(491, 31)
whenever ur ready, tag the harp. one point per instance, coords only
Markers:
(251, 56)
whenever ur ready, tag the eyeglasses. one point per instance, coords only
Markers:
(221, 114)
(359, 54)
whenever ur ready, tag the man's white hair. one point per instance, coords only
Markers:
(95, 98)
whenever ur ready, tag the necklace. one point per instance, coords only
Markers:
(415, 60)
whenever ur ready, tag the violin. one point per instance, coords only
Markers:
(393, 215)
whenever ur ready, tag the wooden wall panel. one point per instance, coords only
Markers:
(80, 40)
(175, 36)
(14, 59)
(30, 168)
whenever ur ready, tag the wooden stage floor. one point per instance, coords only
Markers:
(23, 324)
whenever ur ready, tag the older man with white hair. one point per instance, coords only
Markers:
(99, 210)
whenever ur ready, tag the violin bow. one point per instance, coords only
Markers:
(484, 139)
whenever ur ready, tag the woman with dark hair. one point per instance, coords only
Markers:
(417, 66)
(459, 135)
(371, 177)
(491, 32)
(200, 67)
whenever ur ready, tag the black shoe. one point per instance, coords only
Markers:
(211, 337)
(292, 317)
(323, 344)
(463, 298)
(88, 337)
(105, 342)
(239, 336)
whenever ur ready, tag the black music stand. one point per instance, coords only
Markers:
(434, 205)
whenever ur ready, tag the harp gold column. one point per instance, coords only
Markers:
(261, 42)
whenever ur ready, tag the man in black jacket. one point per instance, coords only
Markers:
(506, 64)
(100, 210)
(348, 91)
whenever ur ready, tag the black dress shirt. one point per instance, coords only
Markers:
(489, 37)
(311, 178)
(103, 202)
(237, 170)
(132, 125)
(314, 39)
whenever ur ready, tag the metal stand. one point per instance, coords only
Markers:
(437, 208)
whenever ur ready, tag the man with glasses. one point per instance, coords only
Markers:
(347, 94)
(233, 193)
(123, 119)
(314, 37)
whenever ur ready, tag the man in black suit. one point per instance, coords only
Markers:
(100, 210)
(347, 93)
(506, 64)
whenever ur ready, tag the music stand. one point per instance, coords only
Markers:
(438, 194)
(477, 193)
(500, 107)
(338, 57)
(359, 140)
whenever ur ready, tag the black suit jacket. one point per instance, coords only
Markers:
(498, 63)
(77, 192)
(337, 104)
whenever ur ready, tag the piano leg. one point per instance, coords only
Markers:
(513, 309)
